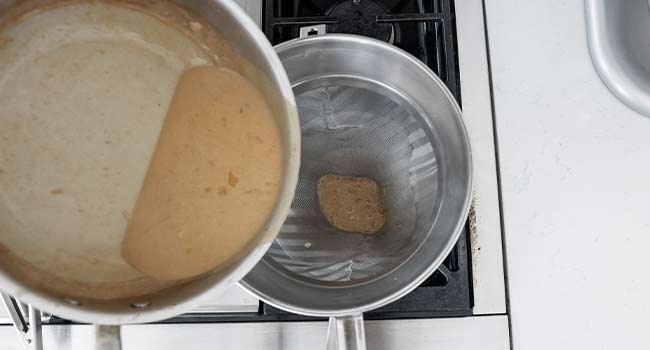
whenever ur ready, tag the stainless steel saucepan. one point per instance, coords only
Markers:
(48, 237)
(366, 109)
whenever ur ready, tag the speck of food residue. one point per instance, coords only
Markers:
(127, 216)
(232, 179)
(56, 191)
(195, 26)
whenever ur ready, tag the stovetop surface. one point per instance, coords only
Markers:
(427, 30)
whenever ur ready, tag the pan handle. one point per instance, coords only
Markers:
(346, 333)
(107, 337)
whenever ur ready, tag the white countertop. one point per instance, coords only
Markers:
(575, 177)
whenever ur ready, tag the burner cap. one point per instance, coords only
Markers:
(360, 17)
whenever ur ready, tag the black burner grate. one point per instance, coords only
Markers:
(424, 28)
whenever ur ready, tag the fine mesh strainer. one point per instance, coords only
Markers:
(366, 109)
(356, 129)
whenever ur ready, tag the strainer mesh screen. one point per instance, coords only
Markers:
(351, 130)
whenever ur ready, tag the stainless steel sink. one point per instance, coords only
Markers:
(619, 40)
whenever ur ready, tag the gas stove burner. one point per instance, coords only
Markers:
(360, 17)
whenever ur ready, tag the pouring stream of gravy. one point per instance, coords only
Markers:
(212, 181)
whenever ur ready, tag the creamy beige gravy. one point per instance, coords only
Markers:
(85, 87)
(212, 181)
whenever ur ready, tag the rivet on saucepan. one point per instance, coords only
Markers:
(72, 301)
(141, 305)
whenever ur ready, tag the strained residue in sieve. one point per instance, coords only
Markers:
(356, 131)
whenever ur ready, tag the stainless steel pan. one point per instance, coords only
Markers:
(65, 254)
(367, 109)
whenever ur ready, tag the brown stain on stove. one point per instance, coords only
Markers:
(474, 248)
(472, 227)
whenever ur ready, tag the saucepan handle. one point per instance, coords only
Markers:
(107, 338)
(346, 333)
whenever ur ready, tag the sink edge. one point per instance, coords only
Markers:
(617, 75)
